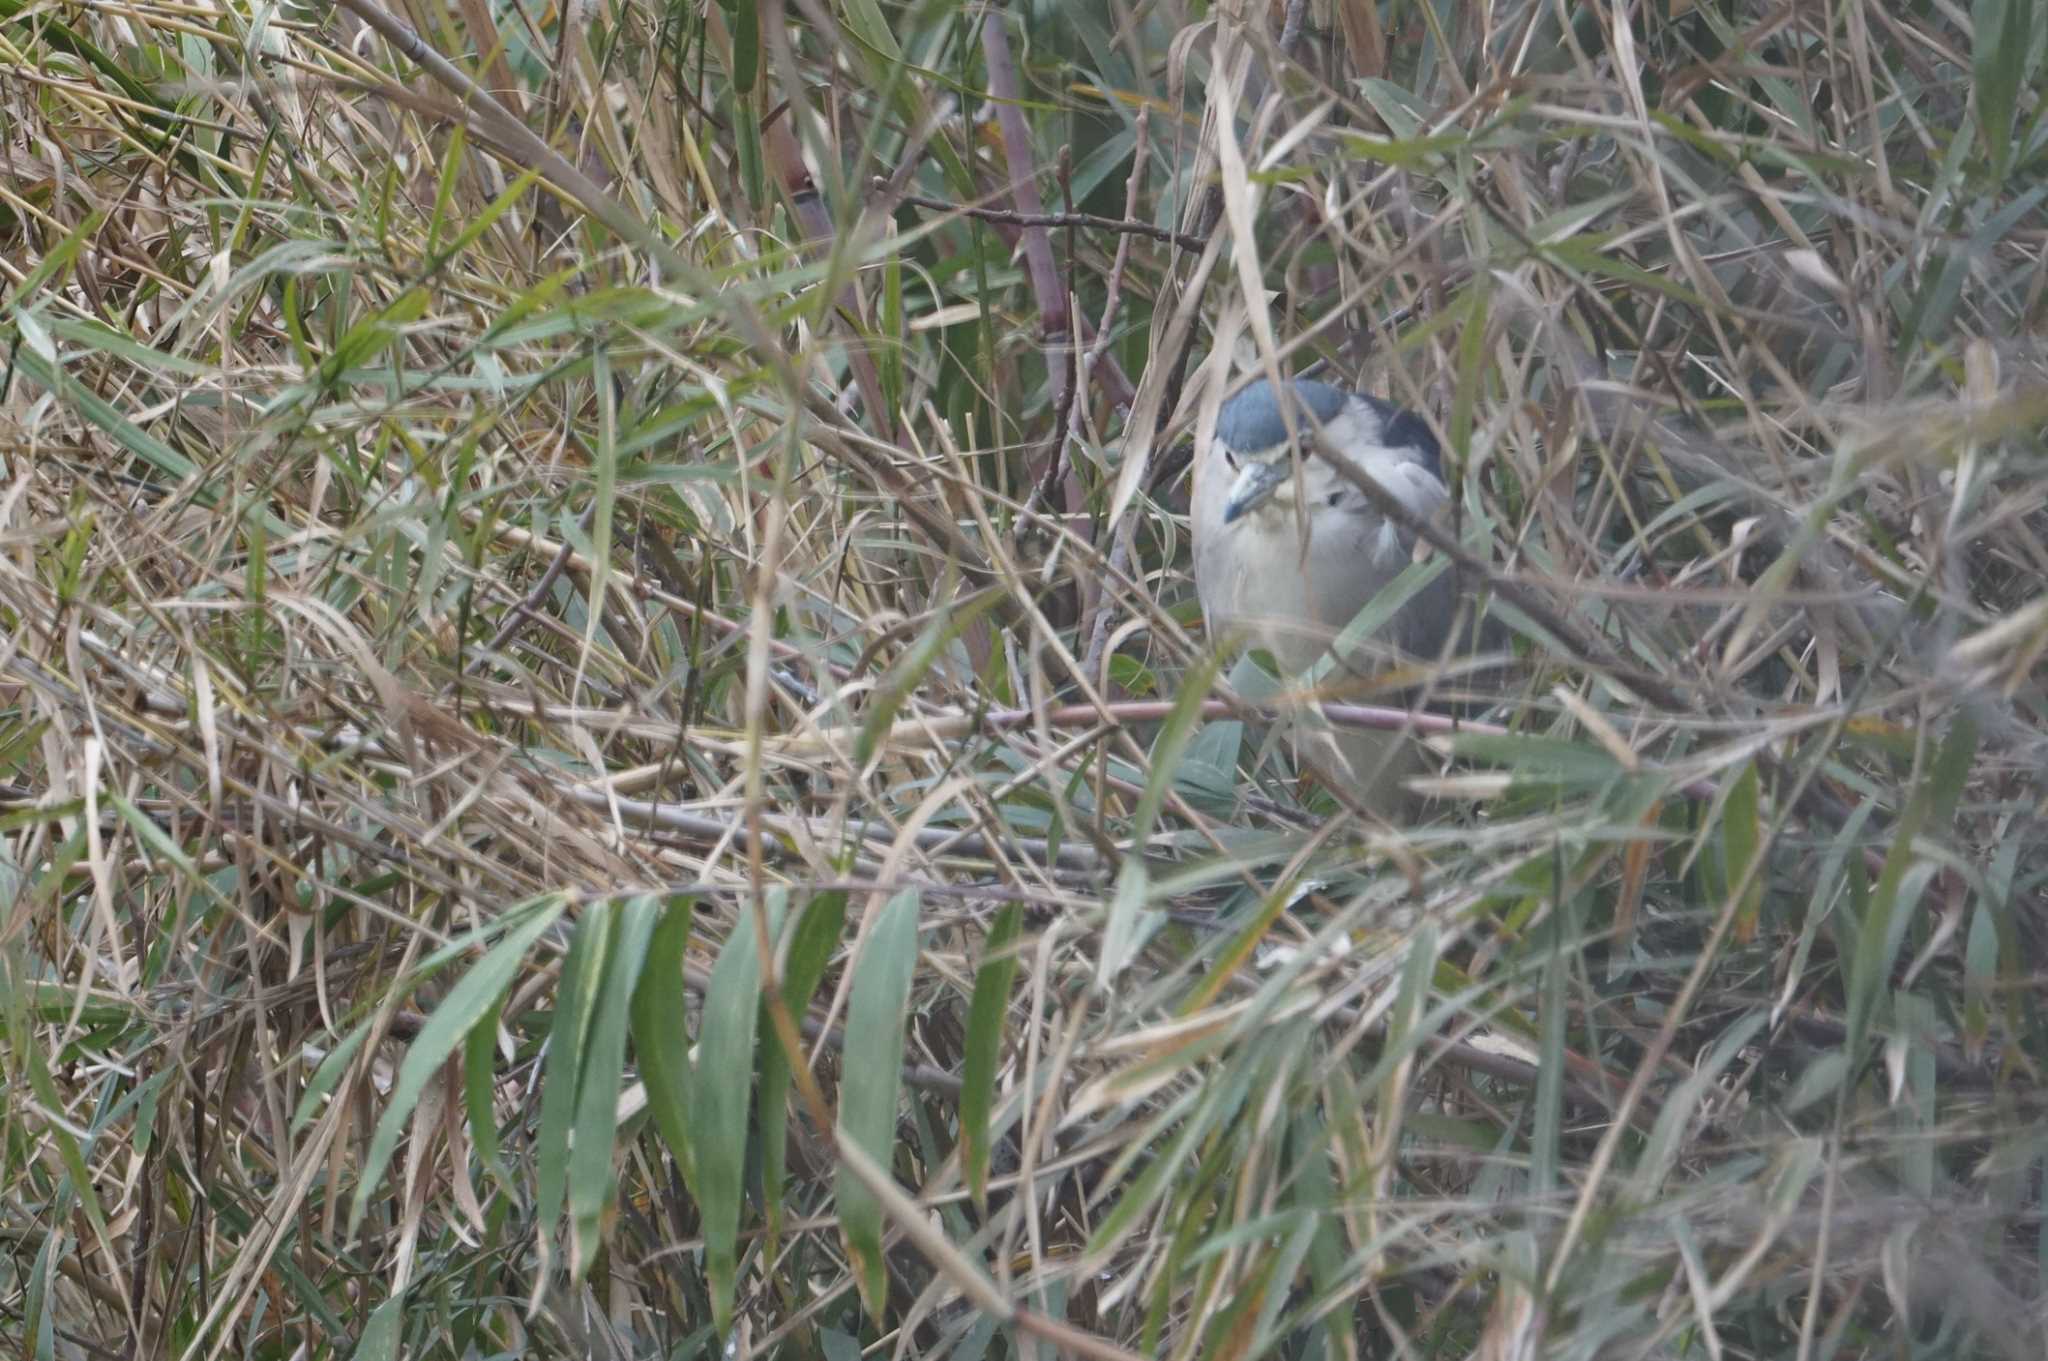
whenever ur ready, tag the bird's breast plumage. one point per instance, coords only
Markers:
(1291, 574)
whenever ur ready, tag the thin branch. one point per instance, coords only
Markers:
(1010, 217)
(1055, 317)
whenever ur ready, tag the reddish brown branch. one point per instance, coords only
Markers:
(1055, 316)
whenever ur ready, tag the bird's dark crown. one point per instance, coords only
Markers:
(1251, 423)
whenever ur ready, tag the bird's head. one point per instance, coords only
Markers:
(1251, 440)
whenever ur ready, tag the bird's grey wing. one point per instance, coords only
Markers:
(1361, 551)
(1442, 617)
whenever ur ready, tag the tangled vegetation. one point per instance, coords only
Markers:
(608, 750)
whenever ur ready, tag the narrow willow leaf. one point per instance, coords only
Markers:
(381, 1335)
(747, 137)
(328, 1074)
(872, 28)
(1676, 1118)
(870, 1087)
(97, 411)
(1983, 948)
(721, 1087)
(905, 676)
(1220, 1101)
(1207, 776)
(79, 1186)
(660, 1041)
(604, 462)
(1741, 834)
(369, 337)
(1547, 1125)
(2004, 38)
(1172, 741)
(1315, 1191)
(56, 259)
(604, 1067)
(815, 941)
(479, 1091)
(1283, 1264)
(473, 997)
(1368, 622)
(746, 46)
(1396, 105)
(1129, 925)
(1541, 761)
(308, 1296)
(575, 999)
(444, 188)
(1904, 877)
(38, 1318)
(1952, 769)
(890, 361)
(992, 983)
(1472, 365)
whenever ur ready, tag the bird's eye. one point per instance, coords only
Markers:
(1335, 497)
(1230, 458)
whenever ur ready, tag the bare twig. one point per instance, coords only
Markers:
(1126, 226)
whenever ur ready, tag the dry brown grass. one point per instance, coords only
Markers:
(497, 545)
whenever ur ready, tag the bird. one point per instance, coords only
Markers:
(1254, 501)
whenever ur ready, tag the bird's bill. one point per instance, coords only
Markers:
(1256, 483)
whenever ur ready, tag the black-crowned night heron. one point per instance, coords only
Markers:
(1260, 584)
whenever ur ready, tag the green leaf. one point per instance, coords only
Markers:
(57, 259)
(100, 413)
(78, 1185)
(1821, 1078)
(1904, 878)
(1741, 834)
(721, 1090)
(1315, 1191)
(1472, 365)
(1541, 761)
(1128, 925)
(1396, 106)
(576, 999)
(905, 676)
(38, 1318)
(1547, 1122)
(479, 1091)
(2004, 35)
(475, 996)
(868, 1094)
(985, 1016)
(1173, 739)
(604, 1066)
(381, 1335)
(1219, 1102)
(1377, 611)
(815, 941)
(660, 1041)
(328, 1074)
(746, 46)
